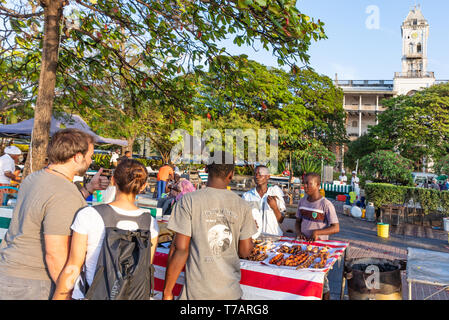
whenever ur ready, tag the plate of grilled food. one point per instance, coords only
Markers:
(298, 257)
(261, 250)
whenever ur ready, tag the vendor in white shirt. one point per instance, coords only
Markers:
(114, 158)
(355, 184)
(267, 202)
(8, 165)
(343, 178)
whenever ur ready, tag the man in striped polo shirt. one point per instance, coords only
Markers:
(316, 218)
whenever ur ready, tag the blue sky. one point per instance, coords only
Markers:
(356, 52)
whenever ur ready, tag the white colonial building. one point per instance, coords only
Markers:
(362, 98)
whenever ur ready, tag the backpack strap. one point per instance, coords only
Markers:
(111, 218)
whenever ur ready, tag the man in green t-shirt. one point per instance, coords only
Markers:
(36, 246)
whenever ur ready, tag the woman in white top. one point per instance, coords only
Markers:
(130, 178)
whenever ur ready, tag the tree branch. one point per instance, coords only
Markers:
(14, 14)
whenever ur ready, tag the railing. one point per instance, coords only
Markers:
(414, 74)
(365, 107)
(414, 55)
(365, 83)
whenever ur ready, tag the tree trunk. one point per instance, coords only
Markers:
(130, 145)
(36, 159)
(165, 157)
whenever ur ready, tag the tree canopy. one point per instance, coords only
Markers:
(137, 45)
(416, 126)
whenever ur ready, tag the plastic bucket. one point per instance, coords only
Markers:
(446, 224)
(383, 230)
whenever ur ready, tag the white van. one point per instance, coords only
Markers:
(419, 178)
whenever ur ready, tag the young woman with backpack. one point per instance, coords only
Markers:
(94, 249)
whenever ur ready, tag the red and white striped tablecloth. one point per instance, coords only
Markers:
(265, 282)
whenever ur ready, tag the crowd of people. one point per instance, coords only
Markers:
(434, 184)
(58, 247)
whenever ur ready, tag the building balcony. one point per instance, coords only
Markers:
(417, 55)
(365, 107)
(414, 74)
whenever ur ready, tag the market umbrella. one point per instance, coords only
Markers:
(23, 129)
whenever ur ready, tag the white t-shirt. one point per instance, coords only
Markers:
(264, 216)
(355, 182)
(6, 164)
(109, 194)
(343, 179)
(114, 157)
(88, 221)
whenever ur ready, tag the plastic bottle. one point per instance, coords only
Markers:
(370, 212)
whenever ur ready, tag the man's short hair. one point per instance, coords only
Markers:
(66, 143)
(314, 176)
(220, 165)
(265, 168)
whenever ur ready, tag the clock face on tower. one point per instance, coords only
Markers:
(415, 35)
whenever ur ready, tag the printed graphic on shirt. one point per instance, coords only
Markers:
(219, 238)
(312, 214)
(219, 229)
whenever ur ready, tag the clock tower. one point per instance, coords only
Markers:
(414, 75)
(415, 32)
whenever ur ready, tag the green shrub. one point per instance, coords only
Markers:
(442, 165)
(308, 164)
(244, 171)
(101, 161)
(309, 160)
(386, 194)
(388, 167)
(154, 164)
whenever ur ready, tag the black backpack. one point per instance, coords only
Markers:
(123, 270)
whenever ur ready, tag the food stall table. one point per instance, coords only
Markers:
(5, 220)
(427, 267)
(333, 190)
(261, 281)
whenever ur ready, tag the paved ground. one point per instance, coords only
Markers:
(364, 242)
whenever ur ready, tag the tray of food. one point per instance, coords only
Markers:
(261, 250)
(298, 257)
